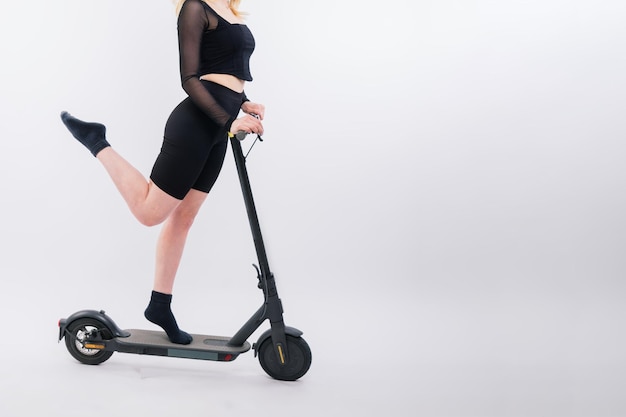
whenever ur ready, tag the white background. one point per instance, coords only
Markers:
(441, 189)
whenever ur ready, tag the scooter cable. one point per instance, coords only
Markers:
(259, 138)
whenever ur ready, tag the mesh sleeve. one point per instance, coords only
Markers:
(192, 22)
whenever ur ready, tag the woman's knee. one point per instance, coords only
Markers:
(184, 215)
(151, 219)
(156, 208)
(182, 218)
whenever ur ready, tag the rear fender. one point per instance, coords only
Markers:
(93, 314)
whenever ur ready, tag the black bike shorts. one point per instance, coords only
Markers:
(194, 146)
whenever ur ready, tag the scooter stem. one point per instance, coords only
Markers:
(272, 308)
(240, 162)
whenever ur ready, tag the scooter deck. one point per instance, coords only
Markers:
(205, 347)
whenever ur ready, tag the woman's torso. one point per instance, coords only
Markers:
(230, 22)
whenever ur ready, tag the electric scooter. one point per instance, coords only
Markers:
(92, 337)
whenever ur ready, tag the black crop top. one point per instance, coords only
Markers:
(209, 44)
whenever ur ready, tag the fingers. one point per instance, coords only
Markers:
(257, 125)
(256, 108)
(260, 111)
(249, 124)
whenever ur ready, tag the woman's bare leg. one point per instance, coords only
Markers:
(172, 240)
(148, 203)
(169, 252)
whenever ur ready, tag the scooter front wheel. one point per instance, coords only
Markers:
(299, 359)
(78, 332)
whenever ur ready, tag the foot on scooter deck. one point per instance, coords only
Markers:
(150, 342)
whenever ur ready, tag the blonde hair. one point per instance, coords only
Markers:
(233, 4)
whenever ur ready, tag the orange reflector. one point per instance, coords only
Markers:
(282, 356)
(93, 346)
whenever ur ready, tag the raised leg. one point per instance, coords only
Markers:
(148, 203)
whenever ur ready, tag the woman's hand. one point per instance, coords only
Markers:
(253, 108)
(248, 124)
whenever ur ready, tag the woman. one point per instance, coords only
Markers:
(215, 47)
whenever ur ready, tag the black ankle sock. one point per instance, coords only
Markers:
(92, 135)
(159, 313)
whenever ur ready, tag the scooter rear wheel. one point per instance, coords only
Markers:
(77, 332)
(299, 359)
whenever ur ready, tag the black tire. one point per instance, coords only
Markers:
(299, 359)
(76, 333)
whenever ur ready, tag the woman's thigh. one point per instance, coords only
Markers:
(187, 144)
